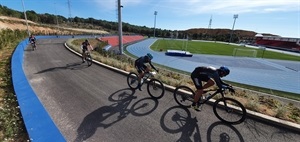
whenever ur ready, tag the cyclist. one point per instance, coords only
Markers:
(84, 46)
(32, 39)
(211, 76)
(142, 68)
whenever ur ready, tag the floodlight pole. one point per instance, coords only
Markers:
(120, 27)
(25, 18)
(234, 16)
(155, 13)
(56, 17)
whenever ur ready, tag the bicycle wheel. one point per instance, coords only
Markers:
(132, 80)
(229, 110)
(155, 88)
(184, 96)
(33, 46)
(89, 59)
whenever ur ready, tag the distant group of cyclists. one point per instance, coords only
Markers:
(207, 74)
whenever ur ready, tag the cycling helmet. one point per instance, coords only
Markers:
(225, 70)
(86, 40)
(150, 56)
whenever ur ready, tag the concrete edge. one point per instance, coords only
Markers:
(256, 115)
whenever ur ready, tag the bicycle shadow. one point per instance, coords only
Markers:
(71, 66)
(107, 116)
(28, 49)
(181, 122)
(223, 132)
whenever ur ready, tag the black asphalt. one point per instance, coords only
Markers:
(94, 104)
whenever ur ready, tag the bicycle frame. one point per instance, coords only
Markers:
(148, 75)
(211, 96)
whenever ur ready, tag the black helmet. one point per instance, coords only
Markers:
(225, 70)
(86, 40)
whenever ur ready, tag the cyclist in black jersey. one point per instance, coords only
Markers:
(142, 68)
(84, 46)
(32, 39)
(211, 76)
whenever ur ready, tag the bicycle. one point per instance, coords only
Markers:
(227, 107)
(33, 45)
(88, 58)
(155, 88)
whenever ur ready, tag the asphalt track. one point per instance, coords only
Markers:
(94, 104)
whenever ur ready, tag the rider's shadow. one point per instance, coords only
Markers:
(71, 66)
(106, 116)
(181, 122)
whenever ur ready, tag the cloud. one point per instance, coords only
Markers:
(196, 7)
(193, 7)
(112, 4)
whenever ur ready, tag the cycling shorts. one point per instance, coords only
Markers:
(140, 67)
(198, 78)
(84, 49)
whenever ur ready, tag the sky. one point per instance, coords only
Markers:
(279, 17)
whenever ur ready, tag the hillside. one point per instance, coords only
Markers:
(35, 28)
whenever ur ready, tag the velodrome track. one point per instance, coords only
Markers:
(94, 104)
(272, 74)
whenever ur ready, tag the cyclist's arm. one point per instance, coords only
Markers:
(152, 66)
(217, 79)
(223, 83)
(91, 47)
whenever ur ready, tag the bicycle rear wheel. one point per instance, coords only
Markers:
(132, 80)
(156, 88)
(229, 110)
(184, 96)
(33, 47)
(89, 59)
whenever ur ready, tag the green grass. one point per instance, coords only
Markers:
(215, 48)
(227, 50)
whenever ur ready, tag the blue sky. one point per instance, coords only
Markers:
(280, 17)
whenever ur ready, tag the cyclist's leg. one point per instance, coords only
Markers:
(198, 93)
(208, 84)
(141, 71)
(83, 55)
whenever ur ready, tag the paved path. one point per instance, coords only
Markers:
(272, 74)
(94, 104)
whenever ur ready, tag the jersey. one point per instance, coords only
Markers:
(140, 63)
(205, 73)
(32, 39)
(85, 45)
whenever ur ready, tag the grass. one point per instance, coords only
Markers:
(215, 48)
(11, 123)
(252, 100)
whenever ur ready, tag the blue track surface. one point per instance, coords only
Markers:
(272, 74)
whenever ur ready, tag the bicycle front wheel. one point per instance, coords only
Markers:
(156, 89)
(132, 80)
(89, 59)
(184, 96)
(229, 110)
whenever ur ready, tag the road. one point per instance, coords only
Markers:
(94, 104)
